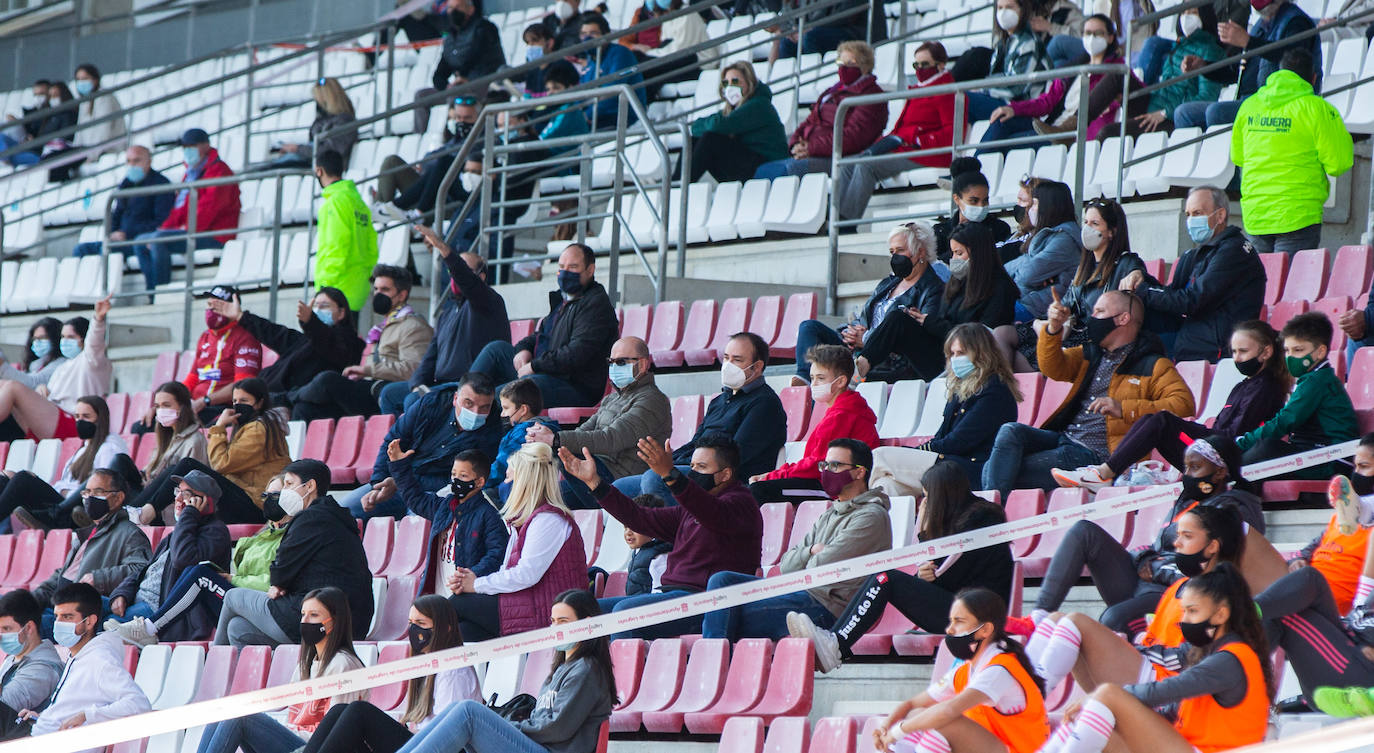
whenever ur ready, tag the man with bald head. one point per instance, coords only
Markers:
(472, 314)
(134, 215)
(1121, 375)
(635, 409)
(566, 354)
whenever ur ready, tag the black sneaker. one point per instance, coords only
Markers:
(26, 519)
(81, 518)
(1294, 705)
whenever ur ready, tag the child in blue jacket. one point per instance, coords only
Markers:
(521, 405)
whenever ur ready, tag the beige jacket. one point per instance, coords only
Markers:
(850, 528)
(245, 461)
(189, 443)
(400, 349)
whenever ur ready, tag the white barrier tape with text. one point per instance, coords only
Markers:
(268, 699)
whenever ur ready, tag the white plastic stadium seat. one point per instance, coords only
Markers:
(21, 455)
(781, 199)
(754, 198)
(875, 394)
(933, 412)
(183, 675)
(903, 409)
(720, 221)
(810, 207)
(45, 459)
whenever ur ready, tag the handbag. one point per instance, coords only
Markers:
(517, 709)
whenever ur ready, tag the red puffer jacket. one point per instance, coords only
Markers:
(928, 123)
(217, 207)
(862, 125)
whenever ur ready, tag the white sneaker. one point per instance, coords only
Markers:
(136, 631)
(826, 644)
(391, 211)
(1084, 478)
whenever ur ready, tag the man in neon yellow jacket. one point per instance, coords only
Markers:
(1286, 140)
(346, 246)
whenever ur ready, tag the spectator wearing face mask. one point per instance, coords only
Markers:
(564, 23)
(321, 547)
(176, 434)
(472, 49)
(346, 243)
(333, 109)
(37, 505)
(847, 416)
(399, 342)
(217, 208)
(439, 425)
(47, 410)
(134, 215)
(812, 144)
(970, 191)
(107, 553)
(95, 105)
(32, 668)
(538, 44)
(14, 135)
(467, 530)
(746, 133)
(677, 34)
(407, 191)
(608, 64)
(199, 536)
(95, 686)
(635, 409)
(747, 411)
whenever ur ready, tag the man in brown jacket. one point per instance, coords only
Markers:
(635, 408)
(398, 343)
(1121, 375)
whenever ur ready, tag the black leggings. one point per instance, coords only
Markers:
(1157, 431)
(1128, 597)
(28, 491)
(724, 157)
(1300, 616)
(357, 727)
(235, 506)
(479, 616)
(922, 602)
(901, 334)
(332, 395)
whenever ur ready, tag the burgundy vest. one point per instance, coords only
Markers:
(529, 609)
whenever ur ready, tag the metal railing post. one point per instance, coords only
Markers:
(248, 113)
(188, 294)
(621, 120)
(585, 182)
(1083, 88)
(274, 279)
(832, 231)
(488, 159)
(390, 75)
(796, 71)
(1125, 115)
(686, 183)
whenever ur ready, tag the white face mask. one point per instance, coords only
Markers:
(732, 376)
(563, 9)
(470, 181)
(733, 94)
(291, 502)
(975, 213)
(1189, 23)
(1091, 237)
(1008, 19)
(167, 416)
(1095, 45)
(821, 392)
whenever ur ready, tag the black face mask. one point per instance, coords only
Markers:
(312, 633)
(1363, 485)
(246, 412)
(901, 264)
(963, 646)
(1096, 329)
(1198, 634)
(85, 429)
(271, 507)
(461, 130)
(1018, 213)
(1249, 368)
(381, 303)
(419, 638)
(461, 488)
(457, 18)
(706, 481)
(1191, 564)
(96, 507)
(1198, 488)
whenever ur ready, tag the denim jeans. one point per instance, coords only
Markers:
(353, 502)
(1011, 128)
(779, 168)
(980, 106)
(94, 248)
(155, 255)
(1204, 114)
(648, 483)
(1022, 457)
(812, 332)
(470, 726)
(1066, 50)
(496, 360)
(576, 495)
(18, 159)
(760, 619)
(1290, 242)
(673, 629)
(1153, 53)
(255, 733)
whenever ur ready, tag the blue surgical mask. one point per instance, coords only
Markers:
(10, 643)
(136, 174)
(191, 156)
(64, 634)
(468, 419)
(622, 374)
(565, 647)
(534, 53)
(325, 315)
(84, 87)
(41, 347)
(961, 366)
(70, 348)
(1198, 229)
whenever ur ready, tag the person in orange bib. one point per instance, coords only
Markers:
(990, 702)
(1222, 697)
(1339, 552)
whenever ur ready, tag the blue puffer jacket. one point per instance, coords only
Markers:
(428, 427)
(511, 444)
(479, 542)
(1051, 260)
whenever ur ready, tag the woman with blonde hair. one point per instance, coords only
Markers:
(543, 558)
(332, 109)
(981, 395)
(732, 143)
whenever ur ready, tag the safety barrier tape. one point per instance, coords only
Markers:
(1357, 735)
(268, 699)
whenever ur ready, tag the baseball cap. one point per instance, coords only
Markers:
(202, 482)
(222, 292)
(194, 136)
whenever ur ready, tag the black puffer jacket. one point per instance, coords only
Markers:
(472, 50)
(321, 548)
(301, 356)
(572, 342)
(1218, 284)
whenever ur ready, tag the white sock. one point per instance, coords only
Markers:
(1044, 630)
(1057, 740)
(1367, 511)
(1091, 729)
(1058, 658)
(1038, 615)
(1364, 588)
(928, 741)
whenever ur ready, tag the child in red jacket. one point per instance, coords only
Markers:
(847, 416)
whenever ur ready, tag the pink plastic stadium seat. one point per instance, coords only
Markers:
(1281, 312)
(767, 314)
(702, 683)
(796, 403)
(777, 527)
(787, 735)
(744, 684)
(800, 307)
(666, 331)
(138, 402)
(119, 410)
(377, 535)
(1197, 375)
(1025, 503)
(1350, 271)
(1052, 395)
(1037, 562)
(28, 547)
(250, 672)
(590, 524)
(1275, 272)
(165, 368)
(664, 667)
(1030, 384)
(284, 659)
(343, 449)
(687, 413)
(791, 681)
(520, 329)
(1306, 275)
(388, 697)
(734, 315)
(373, 435)
(56, 545)
(636, 321)
(834, 734)
(216, 673)
(627, 663)
(6, 553)
(696, 335)
(393, 614)
(411, 544)
(742, 734)
(808, 513)
(317, 434)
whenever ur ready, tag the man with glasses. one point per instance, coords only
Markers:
(635, 408)
(856, 524)
(109, 551)
(147, 605)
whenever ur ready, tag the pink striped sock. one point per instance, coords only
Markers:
(1364, 587)
(1059, 656)
(1057, 740)
(928, 741)
(1091, 729)
(1044, 631)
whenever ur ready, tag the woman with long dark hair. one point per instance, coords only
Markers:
(573, 702)
(360, 727)
(924, 598)
(1051, 255)
(1222, 697)
(242, 464)
(326, 649)
(41, 404)
(993, 700)
(978, 291)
